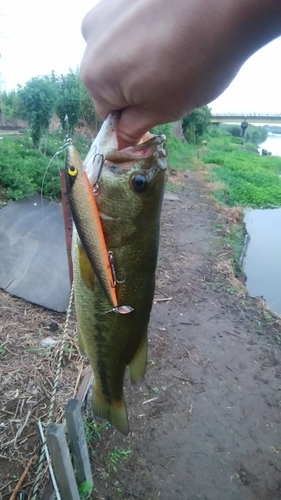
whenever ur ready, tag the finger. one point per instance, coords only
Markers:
(133, 124)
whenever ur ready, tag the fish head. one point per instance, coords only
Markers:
(130, 185)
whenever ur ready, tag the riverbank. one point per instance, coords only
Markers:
(205, 422)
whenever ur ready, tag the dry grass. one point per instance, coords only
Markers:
(177, 177)
(28, 369)
(224, 267)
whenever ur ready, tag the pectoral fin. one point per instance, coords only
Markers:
(138, 364)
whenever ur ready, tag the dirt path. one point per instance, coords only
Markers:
(206, 421)
(214, 430)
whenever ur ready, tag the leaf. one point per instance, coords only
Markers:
(84, 487)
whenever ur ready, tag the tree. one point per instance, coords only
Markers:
(38, 98)
(11, 106)
(68, 105)
(195, 124)
(256, 134)
(87, 110)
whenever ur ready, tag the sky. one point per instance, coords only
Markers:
(37, 37)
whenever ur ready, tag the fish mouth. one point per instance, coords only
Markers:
(104, 150)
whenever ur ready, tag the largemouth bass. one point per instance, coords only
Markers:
(128, 190)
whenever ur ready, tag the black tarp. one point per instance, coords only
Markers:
(33, 258)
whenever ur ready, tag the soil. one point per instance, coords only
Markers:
(205, 423)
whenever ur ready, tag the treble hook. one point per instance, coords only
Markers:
(111, 262)
(101, 161)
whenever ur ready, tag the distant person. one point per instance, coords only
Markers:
(157, 60)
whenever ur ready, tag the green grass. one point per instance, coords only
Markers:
(247, 178)
(25, 171)
(235, 240)
(116, 456)
(92, 429)
(180, 155)
(83, 489)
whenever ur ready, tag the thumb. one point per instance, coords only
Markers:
(134, 122)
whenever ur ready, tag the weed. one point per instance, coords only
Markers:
(68, 348)
(174, 188)
(267, 315)
(248, 179)
(277, 339)
(117, 455)
(92, 429)
(84, 489)
(259, 328)
(235, 240)
(23, 170)
(1, 349)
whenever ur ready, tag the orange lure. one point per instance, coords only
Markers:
(85, 214)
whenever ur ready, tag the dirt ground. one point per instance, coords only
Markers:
(205, 424)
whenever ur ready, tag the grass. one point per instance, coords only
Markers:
(116, 456)
(92, 429)
(180, 155)
(84, 489)
(25, 171)
(242, 177)
(247, 178)
(234, 240)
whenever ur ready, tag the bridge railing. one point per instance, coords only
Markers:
(246, 115)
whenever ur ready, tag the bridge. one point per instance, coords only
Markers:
(267, 118)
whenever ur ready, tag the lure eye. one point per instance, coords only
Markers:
(139, 183)
(72, 171)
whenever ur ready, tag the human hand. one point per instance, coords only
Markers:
(157, 61)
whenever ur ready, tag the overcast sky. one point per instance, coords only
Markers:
(38, 37)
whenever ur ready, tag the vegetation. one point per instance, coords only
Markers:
(195, 124)
(179, 153)
(11, 106)
(246, 178)
(38, 99)
(275, 129)
(116, 456)
(254, 135)
(241, 175)
(42, 97)
(25, 170)
(68, 102)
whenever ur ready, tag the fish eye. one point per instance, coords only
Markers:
(139, 183)
(72, 171)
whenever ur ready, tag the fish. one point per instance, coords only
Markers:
(128, 187)
(85, 214)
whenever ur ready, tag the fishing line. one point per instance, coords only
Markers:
(60, 150)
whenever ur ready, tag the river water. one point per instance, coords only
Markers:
(262, 263)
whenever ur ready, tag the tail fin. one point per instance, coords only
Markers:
(115, 412)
